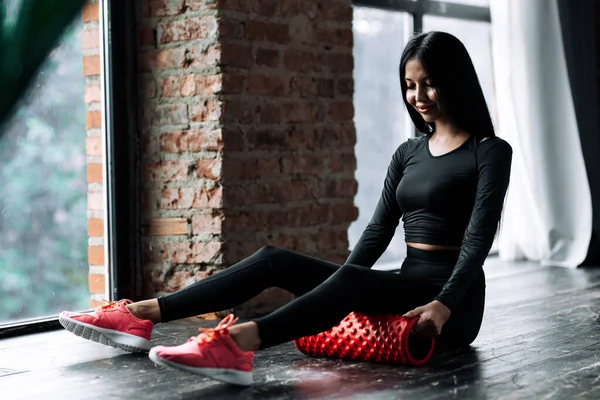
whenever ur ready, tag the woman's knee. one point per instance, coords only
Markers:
(269, 252)
(277, 257)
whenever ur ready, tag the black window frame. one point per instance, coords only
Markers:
(122, 167)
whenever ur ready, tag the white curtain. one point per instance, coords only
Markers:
(548, 212)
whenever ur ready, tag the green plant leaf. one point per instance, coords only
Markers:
(25, 44)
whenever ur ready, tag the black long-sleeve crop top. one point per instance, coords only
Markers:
(454, 199)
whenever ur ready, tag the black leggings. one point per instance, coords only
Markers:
(327, 292)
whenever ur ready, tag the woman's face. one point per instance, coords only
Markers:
(420, 93)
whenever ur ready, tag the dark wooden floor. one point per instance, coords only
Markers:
(540, 340)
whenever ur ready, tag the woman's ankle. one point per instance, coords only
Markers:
(246, 336)
(146, 309)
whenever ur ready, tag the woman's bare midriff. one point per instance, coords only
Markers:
(431, 247)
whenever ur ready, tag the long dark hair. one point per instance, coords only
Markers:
(453, 75)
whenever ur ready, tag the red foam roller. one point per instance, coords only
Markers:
(358, 337)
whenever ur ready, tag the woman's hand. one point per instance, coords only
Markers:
(433, 317)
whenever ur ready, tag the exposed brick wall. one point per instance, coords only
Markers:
(90, 44)
(248, 135)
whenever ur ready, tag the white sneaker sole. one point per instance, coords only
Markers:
(108, 337)
(232, 376)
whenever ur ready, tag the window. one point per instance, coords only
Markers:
(43, 223)
(381, 30)
(379, 38)
(68, 207)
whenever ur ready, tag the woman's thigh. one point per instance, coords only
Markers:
(384, 292)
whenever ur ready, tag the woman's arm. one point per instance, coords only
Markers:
(379, 232)
(492, 184)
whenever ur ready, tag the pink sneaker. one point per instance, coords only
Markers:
(213, 353)
(112, 325)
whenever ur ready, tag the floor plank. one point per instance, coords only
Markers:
(540, 340)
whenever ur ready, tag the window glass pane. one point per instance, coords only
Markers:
(476, 36)
(379, 38)
(43, 223)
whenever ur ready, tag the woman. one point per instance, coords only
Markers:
(447, 185)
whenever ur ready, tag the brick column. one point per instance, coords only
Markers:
(248, 135)
(90, 43)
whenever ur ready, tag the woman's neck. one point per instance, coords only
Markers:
(446, 130)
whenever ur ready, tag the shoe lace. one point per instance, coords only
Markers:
(209, 334)
(111, 304)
